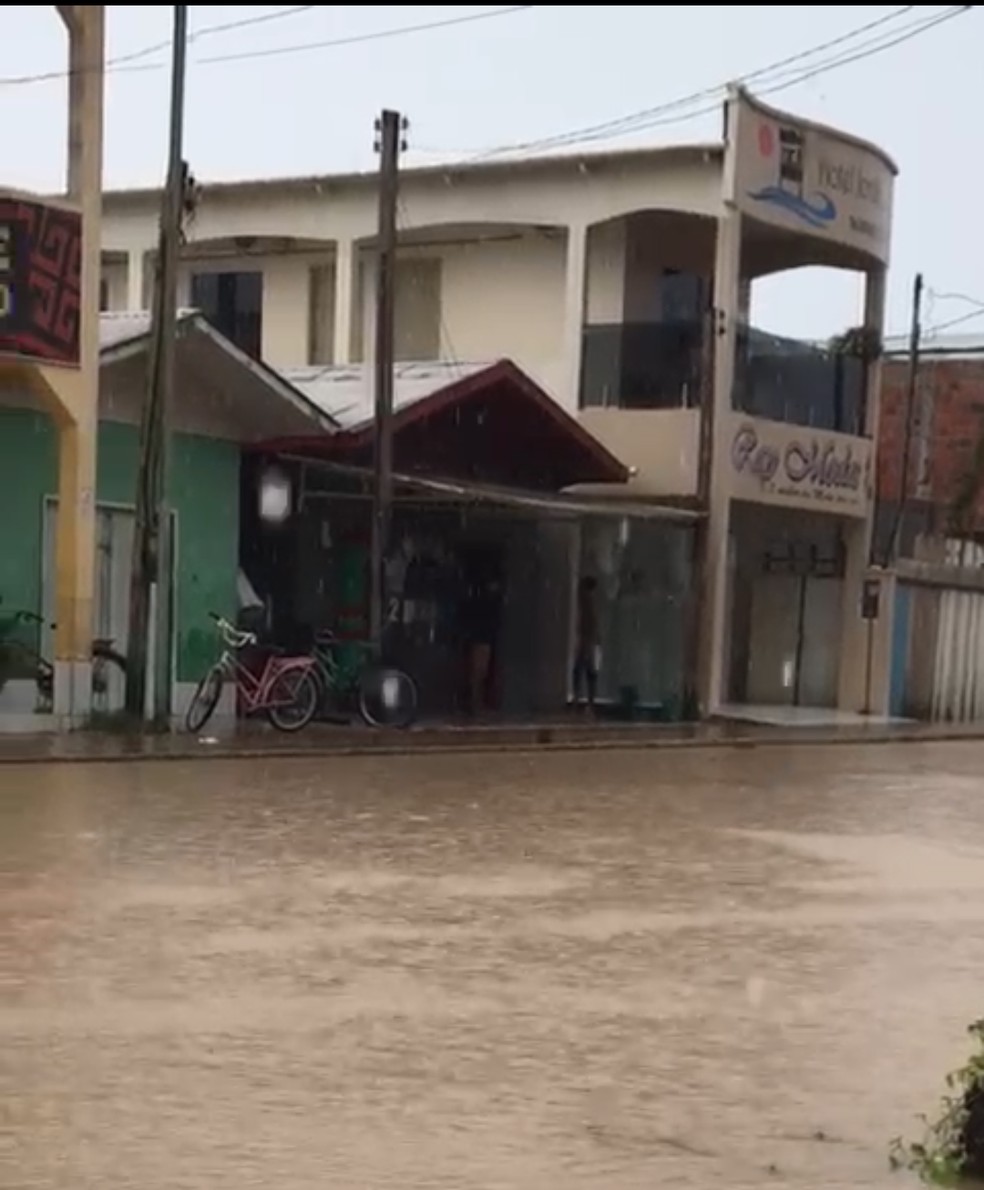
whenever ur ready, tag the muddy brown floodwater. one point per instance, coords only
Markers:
(731, 968)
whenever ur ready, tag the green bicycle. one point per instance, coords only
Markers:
(348, 679)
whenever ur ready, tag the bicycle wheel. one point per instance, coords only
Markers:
(206, 699)
(387, 697)
(108, 674)
(294, 700)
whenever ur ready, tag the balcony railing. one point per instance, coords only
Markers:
(800, 383)
(660, 365)
(641, 365)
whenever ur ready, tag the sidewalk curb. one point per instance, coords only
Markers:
(539, 741)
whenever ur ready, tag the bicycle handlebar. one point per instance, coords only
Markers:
(234, 637)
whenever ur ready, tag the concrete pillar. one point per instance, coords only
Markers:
(346, 297)
(714, 630)
(74, 393)
(135, 261)
(575, 305)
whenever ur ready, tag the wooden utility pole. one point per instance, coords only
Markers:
(697, 601)
(150, 587)
(915, 343)
(389, 132)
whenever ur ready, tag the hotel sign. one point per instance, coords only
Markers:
(781, 464)
(40, 274)
(803, 177)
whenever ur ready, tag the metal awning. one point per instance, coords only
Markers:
(561, 504)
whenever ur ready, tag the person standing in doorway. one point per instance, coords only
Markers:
(587, 643)
(252, 609)
(482, 619)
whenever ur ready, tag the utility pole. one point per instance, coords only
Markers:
(150, 587)
(915, 342)
(389, 132)
(709, 330)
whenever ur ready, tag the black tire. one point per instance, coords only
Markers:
(206, 699)
(300, 696)
(105, 658)
(106, 653)
(401, 715)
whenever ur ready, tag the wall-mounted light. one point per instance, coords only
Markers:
(275, 496)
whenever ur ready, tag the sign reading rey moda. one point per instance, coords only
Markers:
(804, 177)
(806, 468)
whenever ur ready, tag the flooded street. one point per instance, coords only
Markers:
(544, 972)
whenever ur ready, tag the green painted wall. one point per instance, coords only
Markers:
(28, 460)
(205, 480)
(205, 483)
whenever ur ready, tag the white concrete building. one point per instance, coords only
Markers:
(619, 282)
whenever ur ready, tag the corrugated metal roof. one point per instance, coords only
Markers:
(344, 392)
(122, 327)
(505, 164)
(966, 346)
(122, 334)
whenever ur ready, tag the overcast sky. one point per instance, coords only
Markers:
(520, 77)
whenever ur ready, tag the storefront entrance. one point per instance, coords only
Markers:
(643, 573)
(786, 601)
(314, 572)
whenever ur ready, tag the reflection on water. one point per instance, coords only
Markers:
(596, 970)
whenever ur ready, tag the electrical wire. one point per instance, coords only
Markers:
(708, 92)
(127, 64)
(944, 326)
(361, 38)
(159, 46)
(868, 50)
(659, 115)
(933, 297)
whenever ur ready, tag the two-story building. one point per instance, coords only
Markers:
(619, 283)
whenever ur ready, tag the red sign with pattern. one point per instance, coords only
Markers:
(40, 275)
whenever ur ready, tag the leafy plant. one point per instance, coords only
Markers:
(952, 1148)
(861, 342)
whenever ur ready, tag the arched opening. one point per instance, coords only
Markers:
(801, 356)
(649, 279)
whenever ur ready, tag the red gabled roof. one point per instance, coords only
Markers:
(495, 423)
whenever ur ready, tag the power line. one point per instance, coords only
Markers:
(958, 297)
(944, 326)
(659, 115)
(379, 35)
(869, 49)
(707, 92)
(159, 46)
(127, 64)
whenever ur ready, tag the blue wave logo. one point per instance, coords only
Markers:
(817, 214)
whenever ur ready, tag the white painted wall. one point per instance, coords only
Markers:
(505, 299)
(500, 235)
(286, 296)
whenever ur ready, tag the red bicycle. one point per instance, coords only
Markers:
(285, 688)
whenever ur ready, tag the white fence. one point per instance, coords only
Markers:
(938, 642)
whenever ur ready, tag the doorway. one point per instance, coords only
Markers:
(787, 585)
(111, 595)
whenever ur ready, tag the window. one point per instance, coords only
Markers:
(103, 295)
(233, 304)
(417, 314)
